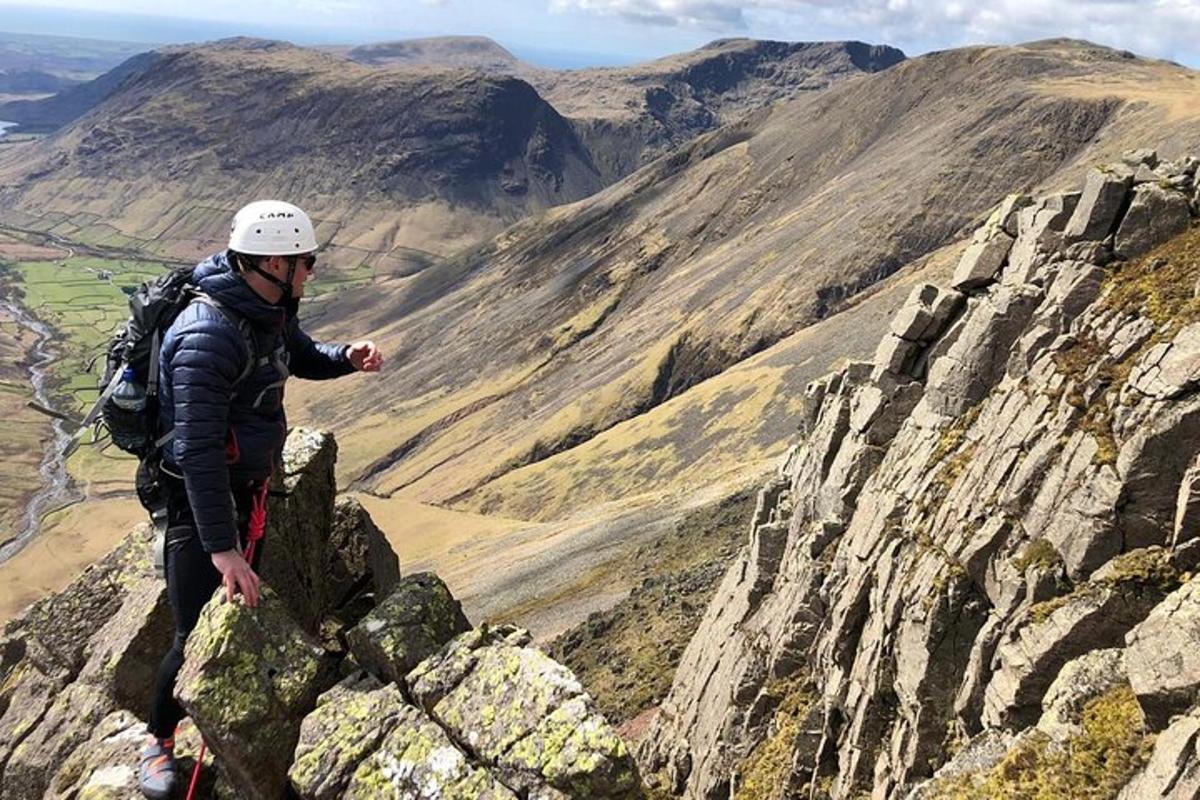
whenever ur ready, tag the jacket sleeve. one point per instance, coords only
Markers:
(312, 360)
(209, 357)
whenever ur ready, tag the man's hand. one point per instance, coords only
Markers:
(237, 576)
(365, 356)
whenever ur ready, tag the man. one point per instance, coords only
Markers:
(222, 368)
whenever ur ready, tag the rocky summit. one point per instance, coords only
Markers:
(972, 577)
(348, 680)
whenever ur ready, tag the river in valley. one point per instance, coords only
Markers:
(57, 487)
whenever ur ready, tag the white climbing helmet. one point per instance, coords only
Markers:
(271, 228)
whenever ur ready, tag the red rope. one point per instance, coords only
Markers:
(254, 532)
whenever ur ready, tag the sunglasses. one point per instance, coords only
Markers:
(309, 261)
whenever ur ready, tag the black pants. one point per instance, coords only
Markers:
(191, 581)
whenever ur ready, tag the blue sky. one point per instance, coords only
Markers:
(584, 32)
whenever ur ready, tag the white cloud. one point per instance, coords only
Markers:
(1163, 28)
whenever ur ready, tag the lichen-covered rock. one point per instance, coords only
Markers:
(1163, 655)
(1155, 215)
(347, 726)
(438, 675)
(412, 623)
(46, 648)
(249, 678)
(105, 766)
(363, 567)
(417, 760)
(525, 715)
(67, 724)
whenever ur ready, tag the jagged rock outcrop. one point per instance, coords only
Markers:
(410, 625)
(483, 715)
(1002, 499)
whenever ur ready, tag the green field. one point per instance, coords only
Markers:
(85, 308)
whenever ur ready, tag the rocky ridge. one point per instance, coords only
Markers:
(348, 680)
(973, 572)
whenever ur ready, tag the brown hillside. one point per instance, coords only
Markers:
(425, 159)
(516, 366)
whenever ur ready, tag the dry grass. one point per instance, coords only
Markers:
(1173, 90)
(1094, 765)
(70, 540)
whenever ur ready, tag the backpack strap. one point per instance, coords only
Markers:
(253, 360)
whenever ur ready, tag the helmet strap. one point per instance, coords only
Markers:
(251, 263)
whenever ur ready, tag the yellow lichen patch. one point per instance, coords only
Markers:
(764, 773)
(1093, 765)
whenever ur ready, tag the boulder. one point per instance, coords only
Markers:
(981, 262)
(915, 318)
(895, 355)
(411, 624)
(1140, 156)
(348, 725)
(1101, 201)
(1163, 658)
(525, 715)
(1006, 214)
(1155, 215)
(249, 677)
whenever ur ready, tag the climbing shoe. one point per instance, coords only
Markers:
(156, 770)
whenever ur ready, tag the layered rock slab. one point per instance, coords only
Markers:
(944, 561)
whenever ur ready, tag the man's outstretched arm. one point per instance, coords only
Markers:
(318, 361)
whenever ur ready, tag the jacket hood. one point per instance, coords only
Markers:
(217, 278)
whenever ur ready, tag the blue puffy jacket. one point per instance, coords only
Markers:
(229, 432)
